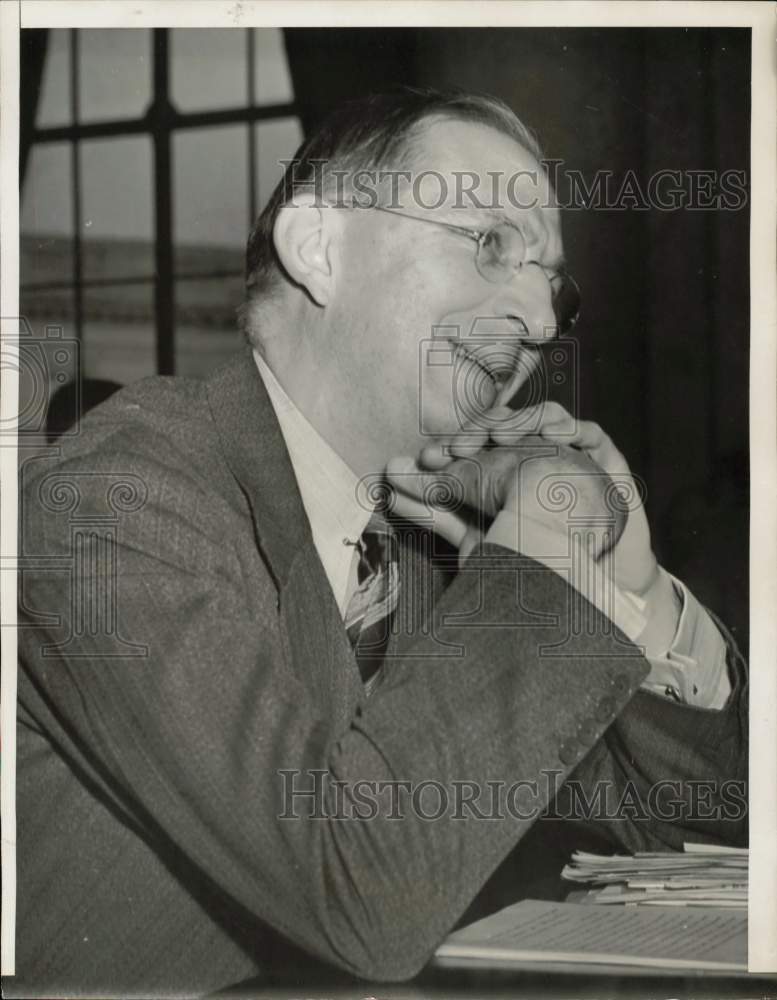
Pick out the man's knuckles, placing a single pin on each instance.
(557, 482)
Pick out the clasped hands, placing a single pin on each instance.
(507, 467)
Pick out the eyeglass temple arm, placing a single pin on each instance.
(474, 234)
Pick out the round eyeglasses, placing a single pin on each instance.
(501, 254)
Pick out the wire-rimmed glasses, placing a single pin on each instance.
(501, 254)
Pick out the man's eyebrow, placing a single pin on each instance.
(495, 215)
(471, 217)
(482, 219)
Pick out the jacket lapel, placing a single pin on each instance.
(253, 446)
(254, 449)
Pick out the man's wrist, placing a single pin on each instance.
(662, 607)
(652, 581)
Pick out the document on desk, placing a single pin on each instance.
(539, 932)
(700, 875)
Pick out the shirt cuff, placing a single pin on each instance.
(694, 669)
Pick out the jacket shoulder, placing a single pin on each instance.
(157, 433)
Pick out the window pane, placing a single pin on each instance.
(49, 307)
(208, 68)
(119, 340)
(272, 81)
(47, 200)
(210, 189)
(206, 331)
(45, 261)
(209, 261)
(275, 141)
(115, 79)
(54, 102)
(117, 219)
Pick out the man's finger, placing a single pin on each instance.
(429, 499)
(473, 483)
(583, 434)
(442, 522)
(470, 443)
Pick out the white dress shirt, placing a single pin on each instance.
(693, 670)
(328, 488)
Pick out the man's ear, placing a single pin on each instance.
(305, 236)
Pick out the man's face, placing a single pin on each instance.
(424, 338)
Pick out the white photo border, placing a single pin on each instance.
(763, 333)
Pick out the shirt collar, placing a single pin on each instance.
(328, 486)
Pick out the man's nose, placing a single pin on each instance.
(527, 299)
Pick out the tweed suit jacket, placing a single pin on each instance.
(182, 660)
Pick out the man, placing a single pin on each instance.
(210, 773)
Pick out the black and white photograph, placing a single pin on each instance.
(388, 599)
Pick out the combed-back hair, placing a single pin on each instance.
(378, 132)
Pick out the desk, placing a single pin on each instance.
(312, 981)
(522, 986)
(495, 984)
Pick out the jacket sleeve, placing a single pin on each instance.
(667, 772)
(198, 735)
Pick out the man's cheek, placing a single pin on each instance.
(442, 406)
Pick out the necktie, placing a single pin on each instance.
(371, 608)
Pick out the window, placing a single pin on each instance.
(152, 153)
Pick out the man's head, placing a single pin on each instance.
(384, 329)
(378, 132)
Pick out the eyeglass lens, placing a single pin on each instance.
(565, 296)
(503, 249)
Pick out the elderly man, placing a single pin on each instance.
(267, 704)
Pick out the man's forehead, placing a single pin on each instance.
(471, 167)
(480, 144)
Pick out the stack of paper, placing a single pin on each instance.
(700, 876)
(562, 937)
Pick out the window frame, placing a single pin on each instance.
(160, 122)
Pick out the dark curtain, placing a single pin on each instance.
(663, 338)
